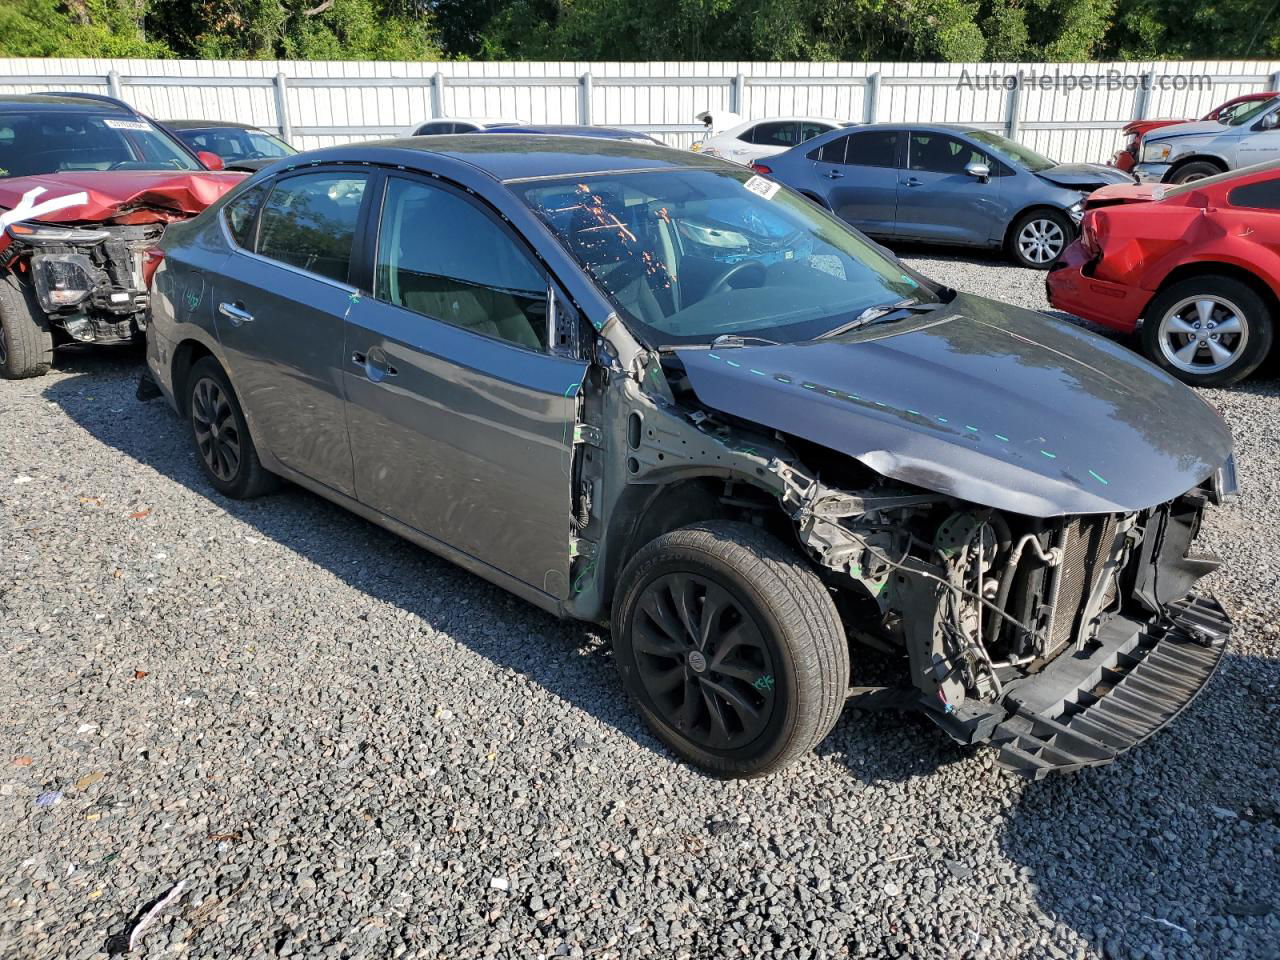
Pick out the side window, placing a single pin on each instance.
(939, 153)
(777, 134)
(441, 255)
(810, 130)
(875, 148)
(309, 222)
(239, 215)
(831, 152)
(431, 129)
(1263, 195)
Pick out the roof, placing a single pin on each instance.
(521, 156)
(208, 125)
(569, 130)
(12, 102)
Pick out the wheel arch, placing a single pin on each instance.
(1217, 268)
(1007, 240)
(1181, 162)
(187, 354)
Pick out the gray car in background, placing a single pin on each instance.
(948, 184)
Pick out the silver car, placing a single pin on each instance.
(1184, 152)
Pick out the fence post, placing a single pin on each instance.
(738, 94)
(437, 95)
(1143, 106)
(871, 105)
(113, 84)
(584, 99)
(1275, 81)
(1014, 108)
(282, 108)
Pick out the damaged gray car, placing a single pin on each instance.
(654, 391)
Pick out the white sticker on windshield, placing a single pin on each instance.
(763, 187)
(140, 125)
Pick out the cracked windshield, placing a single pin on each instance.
(693, 255)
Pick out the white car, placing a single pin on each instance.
(458, 125)
(745, 141)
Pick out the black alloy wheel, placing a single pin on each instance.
(216, 432)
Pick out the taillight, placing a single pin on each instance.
(761, 168)
(151, 261)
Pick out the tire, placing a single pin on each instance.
(1197, 170)
(790, 661)
(26, 342)
(220, 435)
(1038, 238)
(1169, 329)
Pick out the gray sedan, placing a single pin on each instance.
(645, 388)
(945, 184)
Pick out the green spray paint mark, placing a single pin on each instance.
(1051, 456)
(758, 373)
(354, 298)
(714, 356)
(943, 420)
(1099, 479)
(971, 429)
(1001, 436)
(782, 379)
(764, 682)
(915, 413)
(733, 363)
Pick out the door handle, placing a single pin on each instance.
(235, 312)
(913, 182)
(374, 365)
(833, 174)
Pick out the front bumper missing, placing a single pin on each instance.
(1085, 709)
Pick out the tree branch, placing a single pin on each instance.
(317, 10)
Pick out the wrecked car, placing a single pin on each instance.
(87, 187)
(648, 389)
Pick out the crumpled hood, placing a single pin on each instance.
(1118, 193)
(982, 401)
(1083, 176)
(123, 196)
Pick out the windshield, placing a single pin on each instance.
(233, 144)
(1239, 119)
(1010, 152)
(691, 255)
(58, 142)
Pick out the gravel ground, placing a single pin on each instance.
(343, 747)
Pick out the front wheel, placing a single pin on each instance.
(1207, 331)
(1197, 170)
(1038, 238)
(26, 342)
(731, 647)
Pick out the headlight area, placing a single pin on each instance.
(88, 281)
(1062, 641)
(1156, 152)
(1076, 212)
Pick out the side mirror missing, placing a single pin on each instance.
(979, 170)
(210, 160)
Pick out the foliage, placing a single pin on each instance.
(744, 30)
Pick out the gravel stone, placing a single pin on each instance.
(338, 740)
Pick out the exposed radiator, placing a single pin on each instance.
(1085, 544)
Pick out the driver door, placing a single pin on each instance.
(461, 420)
(1261, 142)
(937, 200)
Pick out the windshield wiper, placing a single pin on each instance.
(738, 340)
(872, 314)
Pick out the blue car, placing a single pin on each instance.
(941, 183)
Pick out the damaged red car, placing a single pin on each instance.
(87, 187)
(1195, 266)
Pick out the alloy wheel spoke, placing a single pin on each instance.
(1204, 311)
(1178, 325)
(652, 604)
(746, 712)
(716, 712)
(1229, 325)
(1220, 353)
(714, 603)
(685, 603)
(1188, 353)
(656, 643)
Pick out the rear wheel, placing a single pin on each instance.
(26, 343)
(1039, 237)
(1207, 331)
(731, 647)
(1197, 170)
(221, 436)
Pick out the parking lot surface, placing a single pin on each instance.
(345, 747)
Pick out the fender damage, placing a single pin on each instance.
(1034, 602)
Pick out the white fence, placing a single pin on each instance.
(1071, 112)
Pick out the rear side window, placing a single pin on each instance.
(309, 222)
(939, 153)
(832, 151)
(441, 255)
(1263, 195)
(434, 129)
(776, 134)
(241, 214)
(810, 130)
(875, 148)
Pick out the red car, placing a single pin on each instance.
(87, 188)
(1197, 264)
(1126, 157)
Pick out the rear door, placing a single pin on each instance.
(280, 310)
(461, 419)
(859, 177)
(937, 200)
